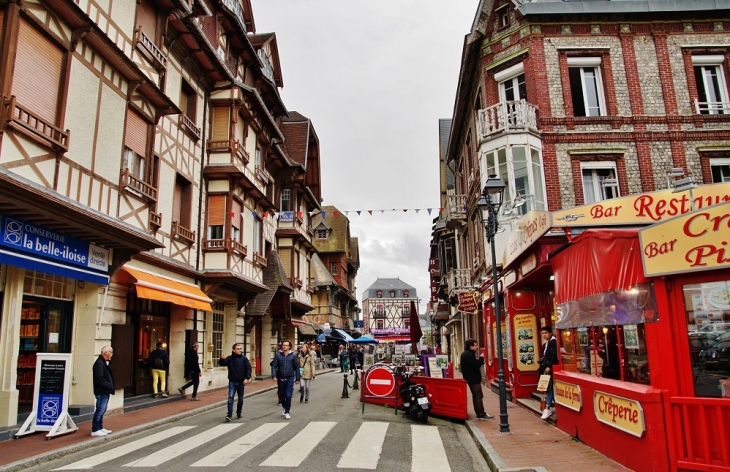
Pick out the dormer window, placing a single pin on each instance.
(406, 293)
(379, 294)
(392, 294)
(322, 234)
(503, 14)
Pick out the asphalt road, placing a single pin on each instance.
(328, 433)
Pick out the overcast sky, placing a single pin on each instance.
(375, 76)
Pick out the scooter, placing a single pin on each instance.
(415, 401)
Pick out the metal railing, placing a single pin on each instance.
(712, 108)
(506, 116)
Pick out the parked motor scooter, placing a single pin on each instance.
(414, 400)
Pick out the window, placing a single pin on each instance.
(286, 200)
(259, 160)
(586, 86)
(503, 15)
(216, 216)
(379, 310)
(333, 268)
(322, 234)
(407, 324)
(182, 201)
(599, 181)
(520, 168)
(720, 168)
(188, 100)
(217, 329)
(406, 293)
(712, 97)
(392, 294)
(258, 236)
(379, 294)
(512, 83)
(707, 311)
(380, 324)
(406, 309)
(221, 123)
(236, 221)
(147, 19)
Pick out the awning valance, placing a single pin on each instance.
(155, 287)
(597, 261)
(307, 330)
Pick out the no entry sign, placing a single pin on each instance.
(380, 381)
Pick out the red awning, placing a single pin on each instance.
(298, 321)
(597, 261)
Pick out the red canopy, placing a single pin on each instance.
(415, 325)
(597, 261)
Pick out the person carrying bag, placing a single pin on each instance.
(306, 372)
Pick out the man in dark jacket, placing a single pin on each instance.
(471, 371)
(548, 360)
(285, 368)
(103, 387)
(352, 353)
(159, 362)
(192, 370)
(239, 374)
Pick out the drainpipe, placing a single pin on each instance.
(200, 201)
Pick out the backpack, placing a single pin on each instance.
(157, 363)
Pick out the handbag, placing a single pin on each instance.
(543, 404)
(542, 385)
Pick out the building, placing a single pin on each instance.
(387, 308)
(593, 113)
(157, 221)
(334, 270)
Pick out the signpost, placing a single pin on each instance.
(380, 381)
(50, 397)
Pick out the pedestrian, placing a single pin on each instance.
(361, 356)
(471, 366)
(159, 362)
(103, 387)
(271, 364)
(343, 356)
(548, 360)
(306, 372)
(239, 374)
(352, 354)
(192, 371)
(285, 371)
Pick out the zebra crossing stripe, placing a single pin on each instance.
(241, 446)
(180, 448)
(427, 438)
(117, 452)
(300, 446)
(365, 447)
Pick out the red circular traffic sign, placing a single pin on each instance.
(380, 381)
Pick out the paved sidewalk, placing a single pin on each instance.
(531, 444)
(28, 451)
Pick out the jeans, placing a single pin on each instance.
(550, 397)
(286, 389)
(97, 423)
(194, 381)
(477, 397)
(158, 374)
(304, 387)
(233, 388)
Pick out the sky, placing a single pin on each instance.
(375, 76)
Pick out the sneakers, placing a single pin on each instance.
(485, 416)
(287, 416)
(547, 412)
(98, 434)
(228, 419)
(283, 412)
(107, 431)
(195, 399)
(182, 392)
(163, 394)
(306, 400)
(238, 416)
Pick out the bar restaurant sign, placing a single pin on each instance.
(527, 230)
(568, 395)
(468, 302)
(645, 208)
(692, 242)
(620, 413)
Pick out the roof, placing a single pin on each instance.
(274, 278)
(561, 7)
(320, 275)
(338, 239)
(389, 284)
(355, 252)
(296, 134)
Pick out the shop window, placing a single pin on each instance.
(217, 329)
(520, 168)
(599, 181)
(603, 335)
(586, 86)
(707, 311)
(712, 96)
(47, 285)
(333, 268)
(720, 168)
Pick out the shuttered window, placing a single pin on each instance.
(216, 210)
(37, 74)
(147, 18)
(181, 201)
(285, 254)
(236, 220)
(135, 137)
(221, 123)
(177, 202)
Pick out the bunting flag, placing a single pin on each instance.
(289, 215)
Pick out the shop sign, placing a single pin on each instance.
(529, 265)
(645, 208)
(39, 241)
(509, 278)
(467, 302)
(527, 230)
(620, 413)
(286, 216)
(505, 343)
(692, 242)
(568, 395)
(525, 327)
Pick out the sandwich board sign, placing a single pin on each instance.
(50, 397)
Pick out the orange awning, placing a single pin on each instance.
(155, 287)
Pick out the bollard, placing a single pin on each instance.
(355, 385)
(344, 389)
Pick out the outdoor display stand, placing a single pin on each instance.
(448, 397)
(50, 397)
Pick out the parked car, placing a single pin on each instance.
(717, 356)
(698, 342)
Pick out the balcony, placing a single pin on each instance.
(311, 289)
(259, 260)
(458, 280)
(155, 221)
(262, 175)
(25, 121)
(712, 108)
(181, 233)
(150, 50)
(224, 245)
(134, 184)
(296, 282)
(455, 211)
(505, 117)
(189, 127)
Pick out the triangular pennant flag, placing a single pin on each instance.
(371, 212)
(299, 215)
(346, 212)
(441, 210)
(428, 210)
(334, 213)
(324, 214)
(358, 212)
(382, 211)
(417, 210)
(405, 210)
(254, 214)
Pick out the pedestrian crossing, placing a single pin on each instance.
(363, 451)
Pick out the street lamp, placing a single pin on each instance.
(488, 205)
(431, 317)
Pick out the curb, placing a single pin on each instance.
(57, 454)
(494, 460)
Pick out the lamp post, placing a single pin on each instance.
(431, 316)
(488, 205)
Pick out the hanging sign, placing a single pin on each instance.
(527, 230)
(620, 413)
(50, 397)
(467, 302)
(692, 242)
